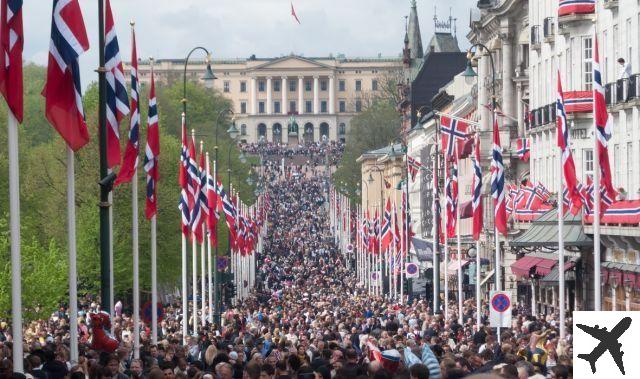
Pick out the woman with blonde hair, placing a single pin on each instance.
(210, 354)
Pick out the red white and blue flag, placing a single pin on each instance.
(12, 42)
(229, 209)
(386, 234)
(453, 132)
(568, 165)
(497, 183)
(523, 149)
(62, 90)
(604, 128)
(116, 91)
(130, 159)
(184, 179)
(200, 210)
(414, 167)
(566, 7)
(212, 203)
(451, 192)
(476, 187)
(151, 152)
(578, 101)
(543, 192)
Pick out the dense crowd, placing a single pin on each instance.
(315, 152)
(307, 318)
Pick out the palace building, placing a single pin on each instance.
(290, 99)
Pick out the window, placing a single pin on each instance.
(587, 162)
(374, 85)
(307, 85)
(358, 105)
(261, 107)
(587, 48)
(226, 86)
(342, 106)
(629, 43)
(243, 107)
(292, 85)
(261, 85)
(342, 86)
(308, 106)
(276, 107)
(323, 106)
(243, 86)
(243, 130)
(276, 86)
(358, 85)
(292, 107)
(323, 85)
(342, 129)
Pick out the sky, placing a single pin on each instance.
(240, 28)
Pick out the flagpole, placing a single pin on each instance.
(203, 277)
(14, 221)
(136, 282)
(597, 289)
(478, 302)
(446, 252)
(209, 257)
(73, 274)
(111, 279)
(561, 283)
(459, 249)
(154, 282)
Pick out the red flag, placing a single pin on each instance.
(497, 183)
(476, 187)
(386, 234)
(62, 90)
(152, 153)
(12, 40)
(293, 13)
(568, 165)
(212, 203)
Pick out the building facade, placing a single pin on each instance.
(290, 99)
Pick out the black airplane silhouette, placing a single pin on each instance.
(608, 341)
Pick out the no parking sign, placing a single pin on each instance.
(500, 309)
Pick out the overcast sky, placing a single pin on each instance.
(239, 28)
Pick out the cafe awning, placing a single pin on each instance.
(524, 265)
(541, 264)
(544, 232)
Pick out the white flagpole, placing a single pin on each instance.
(209, 257)
(154, 283)
(446, 261)
(194, 282)
(459, 249)
(203, 277)
(597, 290)
(185, 303)
(136, 274)
(14, 222)
(73, 274)
(561, 248)
(478, 302)
(435, 245)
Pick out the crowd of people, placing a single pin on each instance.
(315, 152)
(308, 317)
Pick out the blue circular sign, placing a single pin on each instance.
(412, 268)
(500, 302)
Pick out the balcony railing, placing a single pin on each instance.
(535, 37)
(610, 4)
(623, 90)
(549, 29)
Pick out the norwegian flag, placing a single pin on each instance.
(293, 13)
(62, 89)
(130, 159)
(183, 205)
(414, 167)
(376, 233)
(476, 199)
(451, 192)
(578, 101)
(200, 206)
(364, 230)
(229, 210)
(193, 174)
(604, 128)
(183, 174)
(397, 236)
(12, 41)
(512, 193)
(497, 183)
(117, 102)
(151, 152)
(212, 203)
(567, 7)
(437, 209)
(568, 165)
(453, 132)
(523, 149)
(529, 198)
(386, 234)
(589, 199)
(567, 205)
(542, 192)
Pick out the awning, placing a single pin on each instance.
(553, 277)
(523, 266)
(545, 266)
(621, 273)
(544, 232)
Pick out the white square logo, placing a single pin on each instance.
(604, 345)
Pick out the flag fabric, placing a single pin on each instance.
(229, 210)
(476, 187)
(130, 159)
(510, 200)
(567, 7)
(578, 101)
(293, 13)
(542, 192)
(116, 92)
(497, 183)
(568, 165)
(414, 167)
(192, 172)
(183, 174)
(12, 41)
(62, 90)
(376, 233)
(397, 235)
(151, 152)
(212, 203)
(386, 234)
(523, 149)
(183, 205)
(451, 192)
(603, 123)
(199, 211)
(453, 131)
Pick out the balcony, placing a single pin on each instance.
(535, 37)
(610, 4)
(623, 93)
(565, 22)
(549, 29)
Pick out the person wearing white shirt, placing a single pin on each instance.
(625, 70)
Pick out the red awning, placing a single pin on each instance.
(545, 266)
(523, 266)
(629, 278)
(569, 265)
(637, 281)
(615, 275)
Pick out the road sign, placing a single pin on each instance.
(412, 270)
(500, 309)
(146, 312)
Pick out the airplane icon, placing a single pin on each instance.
(608, 341)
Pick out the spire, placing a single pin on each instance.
(415, 39)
